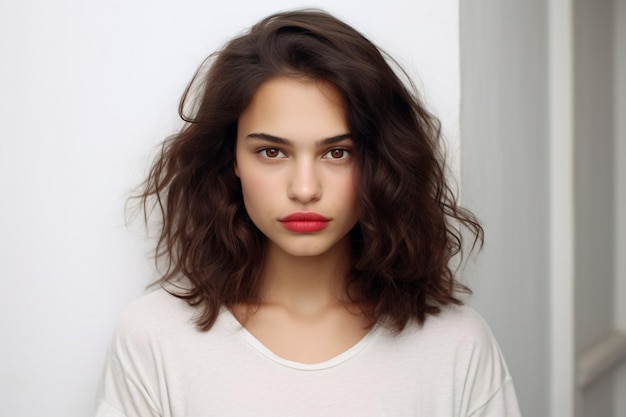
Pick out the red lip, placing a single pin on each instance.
(305, 222)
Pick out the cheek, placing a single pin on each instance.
(351, 193)
(249, 186)
(256, 192)
(349, 188)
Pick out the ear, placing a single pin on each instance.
(236, 168)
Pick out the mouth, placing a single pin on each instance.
(305, 222)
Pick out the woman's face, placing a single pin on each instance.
(294, 157)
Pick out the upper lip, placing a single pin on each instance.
(304, 216)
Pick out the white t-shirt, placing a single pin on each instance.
(160, 364)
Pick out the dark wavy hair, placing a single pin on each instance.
(409, 224)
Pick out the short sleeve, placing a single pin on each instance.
(489, 385)
(129, 382)
(502, 404)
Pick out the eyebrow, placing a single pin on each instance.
(283, 141)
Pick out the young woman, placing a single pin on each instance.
(307, 231)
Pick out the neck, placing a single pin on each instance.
(306, 286)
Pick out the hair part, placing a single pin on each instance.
(409, 225)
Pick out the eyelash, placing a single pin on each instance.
(345, 153)
(263, 153)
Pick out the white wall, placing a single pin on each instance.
(505, 178)
(87, 89)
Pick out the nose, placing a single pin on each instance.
(304, 183)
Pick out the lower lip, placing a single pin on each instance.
(305, 226)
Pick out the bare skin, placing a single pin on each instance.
(304, 314)
(304, 317)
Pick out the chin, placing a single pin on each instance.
(304, 253)
(302, 249)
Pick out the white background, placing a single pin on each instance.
(87, 90)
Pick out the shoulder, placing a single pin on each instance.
(157, 306)
(458, 352)
(461, 331)
(454, 325)
(460, 323)
(156, 312)
(143, 346)
(456, 343)
(480, 368)
(163, 322)
(156, 323)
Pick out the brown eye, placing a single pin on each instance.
(338, 153)
(272, 153)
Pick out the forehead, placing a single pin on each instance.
(295, 108)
